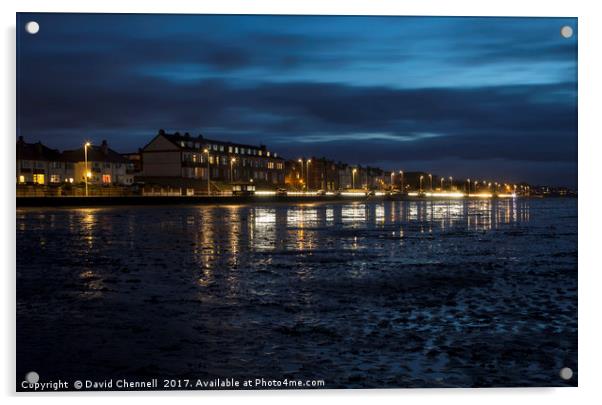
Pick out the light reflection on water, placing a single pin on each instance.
(260, 281)
(220, 235)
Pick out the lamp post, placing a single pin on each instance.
(468, 185)
(232, 160)
(392, 179)
(420, 188)
(302, 171)
(307, 168)
(431, 181)
(451, 183)
(208, 172)
(441, 183)
(86, 173)
(353, 178)
(401, 174)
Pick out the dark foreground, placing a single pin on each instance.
(357, 294)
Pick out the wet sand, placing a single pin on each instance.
(359, 294)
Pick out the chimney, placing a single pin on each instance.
(104, 147)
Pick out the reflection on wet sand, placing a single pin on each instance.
(361, 294)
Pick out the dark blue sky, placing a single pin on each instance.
(466, 97)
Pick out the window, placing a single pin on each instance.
(21, 179)
(229, 149)
(38, 178)
(106, 178)
(55, 178)
(268, 153)
(221, 148)
(270, 165)
(236, 149)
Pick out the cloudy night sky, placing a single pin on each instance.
(488, 98)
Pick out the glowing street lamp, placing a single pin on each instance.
(232, 161)
(302, 171)
(442, 178)
(86, 172)
(431, 181)
(420, 189)
(353, 178)
(468, 180)
(392, 179)
(208, 172)
(451, 183)
(307, 167)
(401, 174)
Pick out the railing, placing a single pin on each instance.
(73, 191)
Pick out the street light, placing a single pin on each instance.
(353, 178)
(232, 160)
(468, 185)
(208, 172)
(86, 172)
(431, 181)
(420, 188)
(451, 183)
(307, 167)
(392, 179)
(401, 174)
(302, 171)
(442, 183)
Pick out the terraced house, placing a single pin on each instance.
(185, 160)
(41, 165)
(104, 166)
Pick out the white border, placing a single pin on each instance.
(590, 70)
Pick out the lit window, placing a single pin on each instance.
(55, 178)
(106, 178)
(21, 179)
(38, 178)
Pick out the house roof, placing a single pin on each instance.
(190, 142)
(96, 153)
(36, 151)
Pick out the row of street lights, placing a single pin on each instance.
(305, 173)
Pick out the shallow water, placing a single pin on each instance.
(358, 294)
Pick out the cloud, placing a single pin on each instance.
(358, 89)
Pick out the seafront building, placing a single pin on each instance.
(38, 164)
(41, 165)
(103, 165)
(196, 162)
